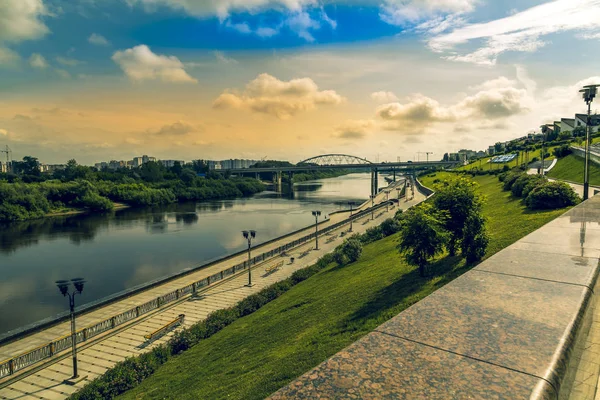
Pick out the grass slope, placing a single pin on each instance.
(262, 352)
(571, 169)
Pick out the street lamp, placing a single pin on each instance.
(387, 205)
(350, 204)
(372, 206)
(316, 214)
(544, 129)
(249, 235)
(63, 286)
(588, 94)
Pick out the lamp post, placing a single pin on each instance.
(588, 94)
(316, 214)
(63, 286)
(350, 204)
(387, 205)
(249, 235)
(544, 129)
(372, 206)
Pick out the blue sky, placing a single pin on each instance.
(108, 79)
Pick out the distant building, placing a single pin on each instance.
(4, 167)
(171, 163)
(567, 124)
(491, 150)
(229, 164)
(581, 120)
(51, 168)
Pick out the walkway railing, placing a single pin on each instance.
(46, 351)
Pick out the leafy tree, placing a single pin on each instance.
(458, 199)
(422, 236)
(498, 147)
(152, 171)
(200, 166)
(390, 226)
(177, 168)
(561, 151)
(565, 135)
(579, 131)
(446, 157)
(475, 238)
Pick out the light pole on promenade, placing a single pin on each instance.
(64, 286)
(316, 214)
(387, 205)
(350, 204)
(588, 94)
(372, 206)
(249, 235)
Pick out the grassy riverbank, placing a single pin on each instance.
(571, 168)
(259, 353)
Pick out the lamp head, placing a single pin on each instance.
(245, 233)
(63, 286)
(78, 283)
(253, 234)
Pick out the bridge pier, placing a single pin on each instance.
(374, 181)
(277, 181)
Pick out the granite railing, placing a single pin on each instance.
(31, 357)
(520, 325)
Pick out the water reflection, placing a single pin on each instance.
(129, 247)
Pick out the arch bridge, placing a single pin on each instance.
(335, 159)
(347, 162)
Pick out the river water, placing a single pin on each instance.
(132, 246)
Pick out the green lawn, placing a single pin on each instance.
(571, 169)
(259, 353)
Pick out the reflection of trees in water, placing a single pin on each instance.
(187, 218)
(308, 187)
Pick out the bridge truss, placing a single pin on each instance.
(335, 159)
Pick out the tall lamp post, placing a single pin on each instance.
(249, 235)
(63, 286)
(544, 129)
(316, 214)
(372, 206)
(350, 204)
(588, 94)
(387, 205)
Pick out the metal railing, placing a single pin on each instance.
(11, 366)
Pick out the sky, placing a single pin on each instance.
(98, 80)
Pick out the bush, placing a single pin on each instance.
(475, 239)
(348, 252)
(551, 195)
(562, 151)
(510, 178)
(529, 181)
(390, 226)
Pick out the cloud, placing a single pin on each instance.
(3, 132)
(522, 31)
(494, 101)
(62, 73)
(69, 62)
(140, 63)
(178, 128)
(38, 61)
(354, 129)
(384, 97)
(222, 58)
(401, 12)
(98, 40)
(300, 16)
(20, 20)
(282, 99)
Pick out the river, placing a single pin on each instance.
(129, 247)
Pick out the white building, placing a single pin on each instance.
(581, 120)
(567, 124)
(171, 163)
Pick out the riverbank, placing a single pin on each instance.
(258, 354)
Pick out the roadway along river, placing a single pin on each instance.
(133, 246)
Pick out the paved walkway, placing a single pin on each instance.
(96, 357)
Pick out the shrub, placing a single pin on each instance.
(526, 180)
(551, 195)
(510, 178)
(390, 226)
(475, 239)
(348, 252)
(371, 235)
(562, 151)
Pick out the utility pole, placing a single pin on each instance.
(428, 153)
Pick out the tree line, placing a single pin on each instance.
(30, 194)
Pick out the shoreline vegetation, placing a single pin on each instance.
(84, 190)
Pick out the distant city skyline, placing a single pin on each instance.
(287, 79)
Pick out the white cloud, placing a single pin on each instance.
(222, 58)
(522, 31)
(19, 21)
(62, 73)
(302, 23)
(140, 63)
(494, 102)
(400, 12)
(98, 40)
(178, 128)
(282, 99)
(384, 97)
(354, 129)
(38, 61)
(69, 62)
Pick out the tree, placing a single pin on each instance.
(177, 168)
(29, 166)
(446, 157)
(200, 166)
(475, 239)
(498, 147)
(422, 236)
(458, 199)
(579, 131)
(152, 171)
(565, 135)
